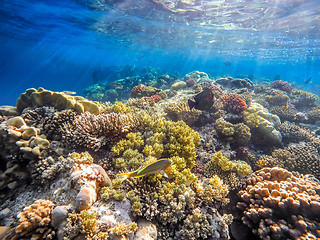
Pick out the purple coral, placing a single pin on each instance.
(282, 85)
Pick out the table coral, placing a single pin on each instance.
(279, 205)
(94, 131)
(41, 97)
(34, 222)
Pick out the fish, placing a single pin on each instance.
(152, 168)
(308, 80)
(203, 100)
(69, 92)
(227, 63)
(117, 85)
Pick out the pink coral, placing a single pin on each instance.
(234, 104)
(282, 85)
(210, 86)
(156, 98)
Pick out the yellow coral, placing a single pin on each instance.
(133, 140)
(224, 127)
(224, 163)
(243, 168)
(122, 229)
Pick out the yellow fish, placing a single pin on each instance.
(117, 85)
(148, 169)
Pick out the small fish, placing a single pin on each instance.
(69, 92)
(151, 168)
(227, 63)
(203, 100)
(285, 107)
(117, 85)
(307, 81)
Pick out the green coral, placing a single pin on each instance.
(234, 133)
(83, 157)
(133, 141)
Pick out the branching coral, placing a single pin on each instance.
(278, 205)
(181, 111)
(94, 131)
(235, 133)
(277, 98)
(234, 103)
(34, 222)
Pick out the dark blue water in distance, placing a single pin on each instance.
(58, 45)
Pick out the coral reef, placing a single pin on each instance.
(279, 205)
(233, 103)
(58, 100)
(282, 85)
(94, 131)
(181, 111)
(63, 158)
(34, 222)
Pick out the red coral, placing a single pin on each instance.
(234, 104)
(137, 89)
(211, 86)
(156, 98)
(282, 85)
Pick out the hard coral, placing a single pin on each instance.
(234, 104)
(94, 131)
(279, 205)
(59, 100)
(34, 222)
(143, 91)
(182, 111)
(282, 85)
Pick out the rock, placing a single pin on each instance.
(146, 231)
(59, 215)
(178, 85)
(8, 111)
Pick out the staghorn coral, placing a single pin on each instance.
(95, 131)
(58, 100)
(279, 205)
(34, 222)
(182, 111)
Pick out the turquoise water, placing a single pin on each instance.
(58, 45)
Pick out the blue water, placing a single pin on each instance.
(59, 44)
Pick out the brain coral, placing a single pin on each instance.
(279, 205)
